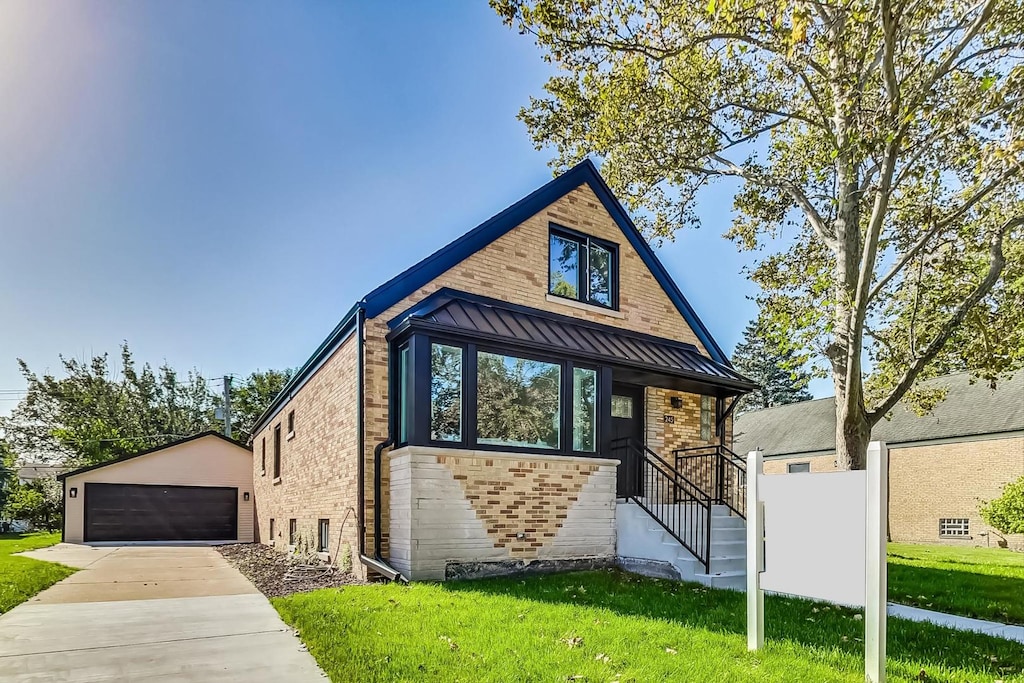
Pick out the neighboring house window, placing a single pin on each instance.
(271, 528)
(795, 467)
(323, 535)
(518, 401)
(263, 457)
(445, 393)
(293, 528)
(291, 423)
(277, 452)
(954, 527)
(584, 409)
(707, 408)
(582, 268)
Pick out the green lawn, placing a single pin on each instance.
(22, 577)
(986, 583)
(612, 626)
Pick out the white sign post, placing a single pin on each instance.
(826, 540)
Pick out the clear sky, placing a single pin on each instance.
(217, 183)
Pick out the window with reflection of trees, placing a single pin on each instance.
(445, 393)
(581, 268)
(518, 401)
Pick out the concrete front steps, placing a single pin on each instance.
(645, 547)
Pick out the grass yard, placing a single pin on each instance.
(23, 577)
(612, 626)
(986, 583)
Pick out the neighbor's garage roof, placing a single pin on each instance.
(970, 409)
(150, 451)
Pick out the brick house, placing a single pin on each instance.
(497, 407)
(941, 465)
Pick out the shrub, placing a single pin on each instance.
(1006, 513)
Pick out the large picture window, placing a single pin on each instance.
(445, 393)
(582, 268)
(518, 401)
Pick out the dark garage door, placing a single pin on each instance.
(143, 512)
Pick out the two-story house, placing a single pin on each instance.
(518, 400)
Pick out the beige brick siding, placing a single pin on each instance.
(451, 506)
(318, 465)
(942, 480)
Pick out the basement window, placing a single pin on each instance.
(954, 527)
(582, 268)
(293, 528)
(323, 535)
(797, 467)
(271, 530)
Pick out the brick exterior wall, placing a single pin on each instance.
(319, 476)
(457, 509)
(318, 465)
(942, 480)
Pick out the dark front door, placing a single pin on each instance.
(627, 422)
(144, 512)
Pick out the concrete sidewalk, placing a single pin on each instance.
(990, 628)
(136, 613)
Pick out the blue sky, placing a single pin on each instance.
(216, 183)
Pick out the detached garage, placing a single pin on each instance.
(196, 489)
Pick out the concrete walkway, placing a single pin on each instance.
(989, 628)
(140, 613)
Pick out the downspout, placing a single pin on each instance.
(377, 563)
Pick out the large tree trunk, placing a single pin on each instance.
(853, 431)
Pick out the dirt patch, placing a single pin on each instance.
(275, 574)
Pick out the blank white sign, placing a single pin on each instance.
(814, 530)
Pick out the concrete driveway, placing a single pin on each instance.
(148, 613)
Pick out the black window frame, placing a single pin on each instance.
(323, 535)
(418, 382)
(583, 267)
(277, 451)
(263, 457)
(291, 423)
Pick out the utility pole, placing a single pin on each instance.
(227, 406)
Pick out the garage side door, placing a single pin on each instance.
(143, 512)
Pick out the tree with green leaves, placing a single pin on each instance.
(779, 372)
(39, 502)
(878, 146)
(1006, 513)
(252, 396)
(8, 473)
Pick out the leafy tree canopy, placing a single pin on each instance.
(252, 396)
(1006, 513)
(878, 145)
(778, 371)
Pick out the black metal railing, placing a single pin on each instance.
(672, 500)
(717, 471)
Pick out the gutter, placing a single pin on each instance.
(377, 563)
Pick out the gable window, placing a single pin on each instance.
(582, 268)
(518, 401)
(797, 467)
(277, 452)
(954, 527)
(323, 535)
(707, 407)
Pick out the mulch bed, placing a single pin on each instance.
(269, 570)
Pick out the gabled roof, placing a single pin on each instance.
(810, 426)
(150, 451)
(475, 317)
(407, 282)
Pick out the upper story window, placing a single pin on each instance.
(583, 268)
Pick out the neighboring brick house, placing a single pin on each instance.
(468, 416)
(941, 465)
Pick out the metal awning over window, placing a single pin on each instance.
(468, 316)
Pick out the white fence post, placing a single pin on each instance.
(876, 575)
(755, 554)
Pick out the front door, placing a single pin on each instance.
(627, 422)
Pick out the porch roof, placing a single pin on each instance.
(475, 317)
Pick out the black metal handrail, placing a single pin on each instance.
(671, 499)
(719, 472)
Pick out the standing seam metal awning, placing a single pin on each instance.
(476, 317)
